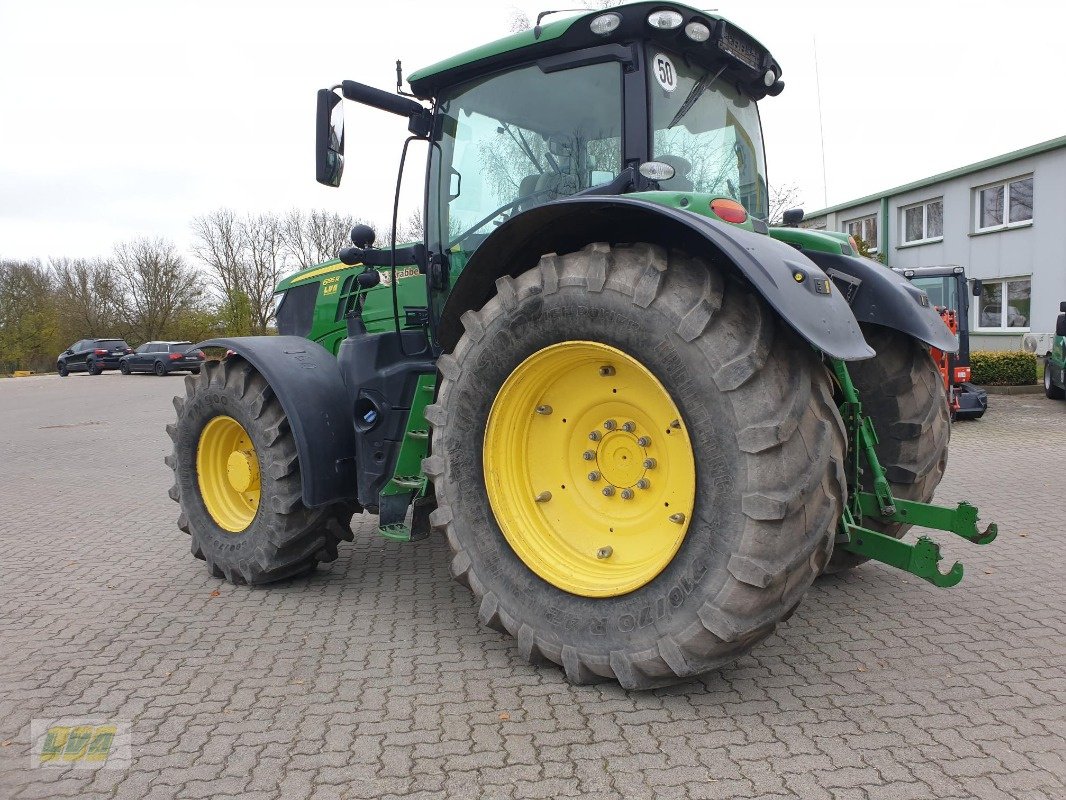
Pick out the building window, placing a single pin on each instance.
(924, 222)
(1004, 205)
(864, 228)
(996, 314)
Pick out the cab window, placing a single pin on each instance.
(520, 139)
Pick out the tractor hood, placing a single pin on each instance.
(743, 59)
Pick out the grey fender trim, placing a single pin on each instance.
(306, 379)
(823, 320)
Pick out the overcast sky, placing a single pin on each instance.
(122, 119)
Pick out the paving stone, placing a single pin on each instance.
(372, 678)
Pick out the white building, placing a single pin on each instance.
(1003, 219)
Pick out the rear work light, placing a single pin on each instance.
(729, 210)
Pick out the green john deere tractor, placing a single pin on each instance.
(631, 406)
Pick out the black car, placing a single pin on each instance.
(92, 356)
(163, 357)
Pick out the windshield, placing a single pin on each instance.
(943, 290)
(520, 139)
(707, 131)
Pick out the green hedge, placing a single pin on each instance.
(1003, 368)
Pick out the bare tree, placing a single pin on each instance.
(91, 297)
(158, 286)
(782, 198)
(316, 236)
(221, 246)
(28, 332)
(518, 20)
(266, 263)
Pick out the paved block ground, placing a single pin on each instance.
(372, 678)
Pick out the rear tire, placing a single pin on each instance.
(756, 404)
(94, 368)
(159, 369)
(903, 392)
(285, 537)
(1052, 391)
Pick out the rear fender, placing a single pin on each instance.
(881, 296)
(811, 305)
(307, 381)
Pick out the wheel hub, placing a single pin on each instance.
(589, 469)
(242, 469)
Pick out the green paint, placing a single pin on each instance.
(920, 558)
(407, 477)
(694, 202)
(810, 239)
(337, 290)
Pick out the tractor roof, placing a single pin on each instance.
(743, 57)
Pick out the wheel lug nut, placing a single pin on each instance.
(649, 463)
(594, 476)
(604, 552)
(544, 409)
(627, 494)
(610, 424)
(588, 455)
(629, 427)
(543, 497)
(608, 491)
(606, 371)
(643, 483)
(643, 441)
(678, 518)
(594, 436)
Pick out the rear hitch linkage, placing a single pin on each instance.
(923, 556)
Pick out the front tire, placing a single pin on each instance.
(61, 368)
(124, 368)
(1051, 391)
(237, 481)
(754, 402)
(902, 391)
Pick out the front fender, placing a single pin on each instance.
(880, 296)
(811, 306)
(306, 379)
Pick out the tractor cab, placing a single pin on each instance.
(652, 100)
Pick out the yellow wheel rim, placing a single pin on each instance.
(227, 469)
(589, 469)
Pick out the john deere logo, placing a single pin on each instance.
(80, 743)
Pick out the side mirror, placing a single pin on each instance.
(1060, 324)
(792, 218)
(976, 288)
(1062, 307)
(329, 138)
